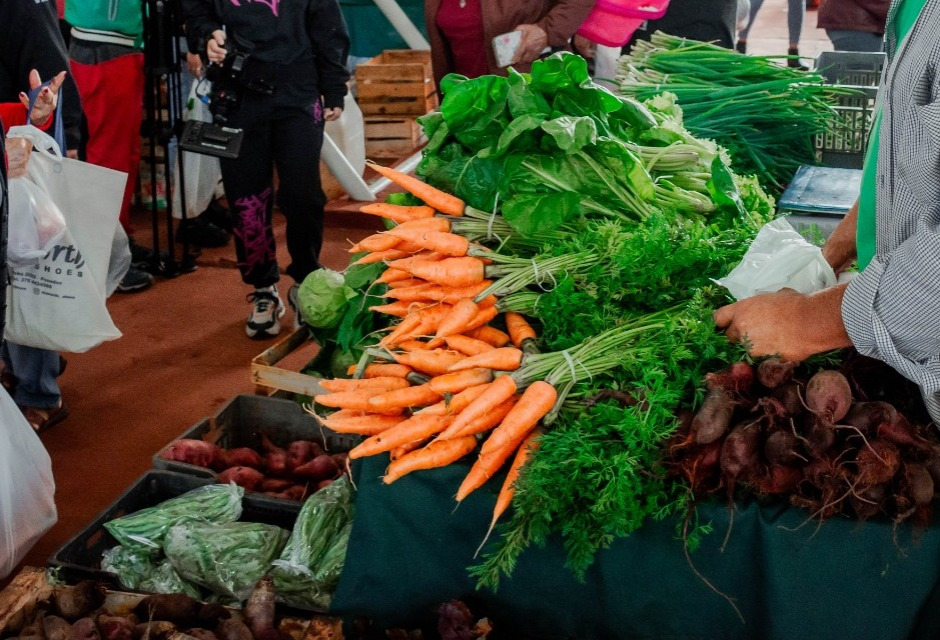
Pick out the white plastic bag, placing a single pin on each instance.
(58, 303)
(27, 488)
(202, 173)
(779, 258)
(36, 223)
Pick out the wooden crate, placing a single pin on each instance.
(269, 378)
(396, 82)
(392, 136)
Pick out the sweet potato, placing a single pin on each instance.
(56, 628)
(274, 485)
(299, 453)
(174, 607)
(76, 601)
(320, 468)
(712, 420)
(829, 395)
(191, 451)
(275, 458)
(259, 611)
(241, 457)
(113, 627)
(774, 372)
(84, 629)
(242, 476)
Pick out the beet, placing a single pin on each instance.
(780, 479)
(84, 629)
(828, 395)
(790, 398)
(211, 613)
(76, 601)
(866, 416)
(191, 451)
(712, 420)
(739, 377)
(780, 448)
(299, 453)
(242, 476)
(739, 452)
(774, 372)
(201, 634)
(877, 462)
(901, 432)
(919, 483)
(177, 608)
(868, 502)
(232, 629)
(320, 468)
(820, 438)
(241, 457)
(115, 627)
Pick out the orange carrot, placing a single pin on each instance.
(408, 282)
(449, 244)
(403, 230)
(453, 295)
(417, 396)
(499, 391)
(357, 400)
(537, 400)
(483, 423)
(453, 272)
(519, 329)
(460, 315)
(443, 202)
(379, 256)
(366, 424)
(398, 308)
(482, 317)
(488, 301)
(432, 362)
(385, 383)
(375, 242)
(457, 403)
(485, 468)
(455, 382)
(414, 293)
(392, 275)
(412, 345)
(508, 490)
(405, 449)
(490, 335)
(417, 427)
(438, 453)
(379, 370)
(469, 346)
(408, 324)
(396, 212)
(502, 359)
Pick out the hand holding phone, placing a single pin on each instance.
(524, 44)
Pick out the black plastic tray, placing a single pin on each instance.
(242, 420)
(80, 557)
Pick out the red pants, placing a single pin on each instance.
(112, 95)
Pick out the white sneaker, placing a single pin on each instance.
(294, 305)
(266, 312)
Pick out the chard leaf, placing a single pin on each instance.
(621, 163)
(571, 133)
(470, 177)
(450, 81)
(475, 111)
(523, 99)
(530, 213)
(515, 133)
(559, 70)
(724, 191)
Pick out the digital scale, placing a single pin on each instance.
(820, 196)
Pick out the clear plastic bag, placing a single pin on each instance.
(779, 258)
(36, 223)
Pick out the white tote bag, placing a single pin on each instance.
(59, 302)
(27, 489)
(202, 174)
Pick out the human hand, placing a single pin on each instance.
(72, 153)
(534, 41)
(841, 249)
(47, 99)
(332, 113)
(17, 150)
(194, 64)
(215, 48)
(787, 323)
(585, 47)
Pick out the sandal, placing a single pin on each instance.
(42, 419)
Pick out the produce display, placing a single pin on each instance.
(765, 114)
(301, 469)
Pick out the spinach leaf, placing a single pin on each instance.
(529, 213)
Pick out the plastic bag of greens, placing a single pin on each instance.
(165, 579)
(306, 574)
(322, 298)
(131, 567)
(227, 559)
(143, 531)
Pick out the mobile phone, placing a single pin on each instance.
(505, 46)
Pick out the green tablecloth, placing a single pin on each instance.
(409, 551)
(370, 32)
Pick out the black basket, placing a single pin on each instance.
(242, 420)
(80, 557)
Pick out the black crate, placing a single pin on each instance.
(80, 557)
(242, 420)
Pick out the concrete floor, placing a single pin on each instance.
(184, 353)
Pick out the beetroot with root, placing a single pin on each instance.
(790, 399)
(829, 395)
(782, 448)
(877, 462)
(739, 452)
(245, 477)
(774, 372)
(712, 420)
(779, 479)
(191, 451)
(739, 378)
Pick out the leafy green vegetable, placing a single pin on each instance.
(322, 298)
(529, 213)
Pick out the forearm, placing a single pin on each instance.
(825, 328)
(840, 249)
(563, 19)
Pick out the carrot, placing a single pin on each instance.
(408, 282)
(357, 400)
(379, 370)
(417, 396)
(454, 272)
(408, 324)
(537, 400)
(439, 453)
(432, 362)
(404, 230)
(457, 403)
(453, 295)
(491, 335)
(469, 346)
(417, 427)
(460, 315)
(385, 383)
(379, 256)
(519, 329)
(396, 212)
(485, 468)
(375, 242)
(392, 275)
(449, 244)
(482, 317)
(443, 202)
(502, 359)
(366, 424)
(460, 380)
(508, 490)
(488, 301)
(405, 449)
(483, 423)
(415, 293)
(398, 308)
(499, 391)
(412, 345)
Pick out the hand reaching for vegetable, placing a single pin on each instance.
(48, 97)
(534, 41)
(787, 323)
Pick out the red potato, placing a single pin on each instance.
(245, 477)
(829, 395)
(241, 457)
(320, 468)
(191, 451)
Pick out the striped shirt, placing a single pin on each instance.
(892, 309)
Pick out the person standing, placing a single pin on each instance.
(796, 11)
(298, 49)
(854, 25)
